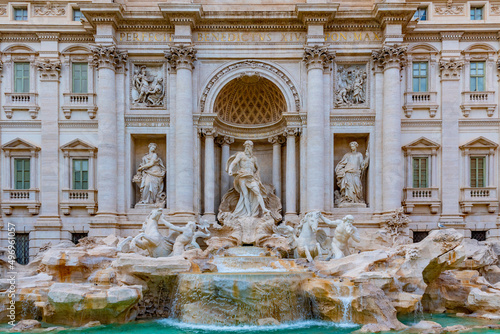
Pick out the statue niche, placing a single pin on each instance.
(147, 87)
(250, 210)
(150, 179)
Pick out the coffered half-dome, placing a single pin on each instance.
(250, 100)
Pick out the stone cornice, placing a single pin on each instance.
(316, 13)
(394, 13)
(451, 35)
(317, 57)
(108, 57)
(181, 14)
(102, 13)
(181, 57)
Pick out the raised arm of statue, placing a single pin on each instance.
(171, 226)
(235, 159)
(328, 221)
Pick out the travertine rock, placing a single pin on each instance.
(77, 304)
(25, 326)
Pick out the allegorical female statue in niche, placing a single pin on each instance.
(150, 176)
(349, 172)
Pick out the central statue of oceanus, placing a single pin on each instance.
(245, 170)
(250, 209)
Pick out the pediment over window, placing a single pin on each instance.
(479, 143)
(422, 144)
(19, 48)
(19, 144)
(78, 145)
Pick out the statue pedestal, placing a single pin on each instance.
(148, 207)
(352, 205)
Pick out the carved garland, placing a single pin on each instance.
(251, 64)
(451, 68)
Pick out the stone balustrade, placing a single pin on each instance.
(86, 198)
(479, 100)
(79, 101)
(421, 196)
(478, 196)
(21, 101)
(28, 198)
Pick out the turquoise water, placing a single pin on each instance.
(168, 326)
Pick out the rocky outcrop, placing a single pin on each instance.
(347, 301)
(77, 304)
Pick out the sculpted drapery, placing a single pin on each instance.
(152, 173)
(349, 171)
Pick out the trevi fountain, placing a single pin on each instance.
(252, 271)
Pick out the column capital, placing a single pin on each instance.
(208, 132)
(225, 140)
(451, 68)
(317, 57)
(291, 132)
(390, 56)
(108, 57)
(181, 57)
(276, 139)
(49, 69)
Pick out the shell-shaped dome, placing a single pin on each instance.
(250, 100)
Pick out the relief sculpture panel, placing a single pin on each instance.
(148, 86)
(351, 85)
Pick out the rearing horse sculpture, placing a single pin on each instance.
(310, 237)
(151, 239)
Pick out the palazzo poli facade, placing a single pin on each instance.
(86, 88)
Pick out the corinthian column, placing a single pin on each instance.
(315, 58)
(277, 141)
(225, 178)
(391, 58)
(450, 106)
(182, 60)
(49, 218)
(209, 189)
(106, 59)
(291, 173)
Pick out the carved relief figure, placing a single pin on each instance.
(340, 241)
(149, 177)
(243, 166)
(351, 85)
(149, 88)
(349, 172)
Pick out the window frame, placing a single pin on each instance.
(73, 180)
(427, 169)
(73, 16)
(418, 14)
(474, 9)
(15, 9)
(15, 172)
(23, 78)
(484, 179)
(72, 79)
(419, 77)
(476, 76)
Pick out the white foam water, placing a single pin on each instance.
(304, 324)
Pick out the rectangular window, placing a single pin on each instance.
(420, 77)
(478, 235)
(477, 76)
(80, 174)
(77, 15)
(421, 14)
(477, 172)
(21, 77)
(476, 13)
(420, 172)
(23, 248)
(80, 75)
(22, 173)
(21, 14)
(75, 237)
(419, 236)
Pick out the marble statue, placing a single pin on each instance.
(343, 231)
(309, 239)
(187, 238)
(149, 89)
(243, 166)
(349, 173)
(150, 238)
(351, 85)
(149, 178)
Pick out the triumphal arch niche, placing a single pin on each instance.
(257, 101)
